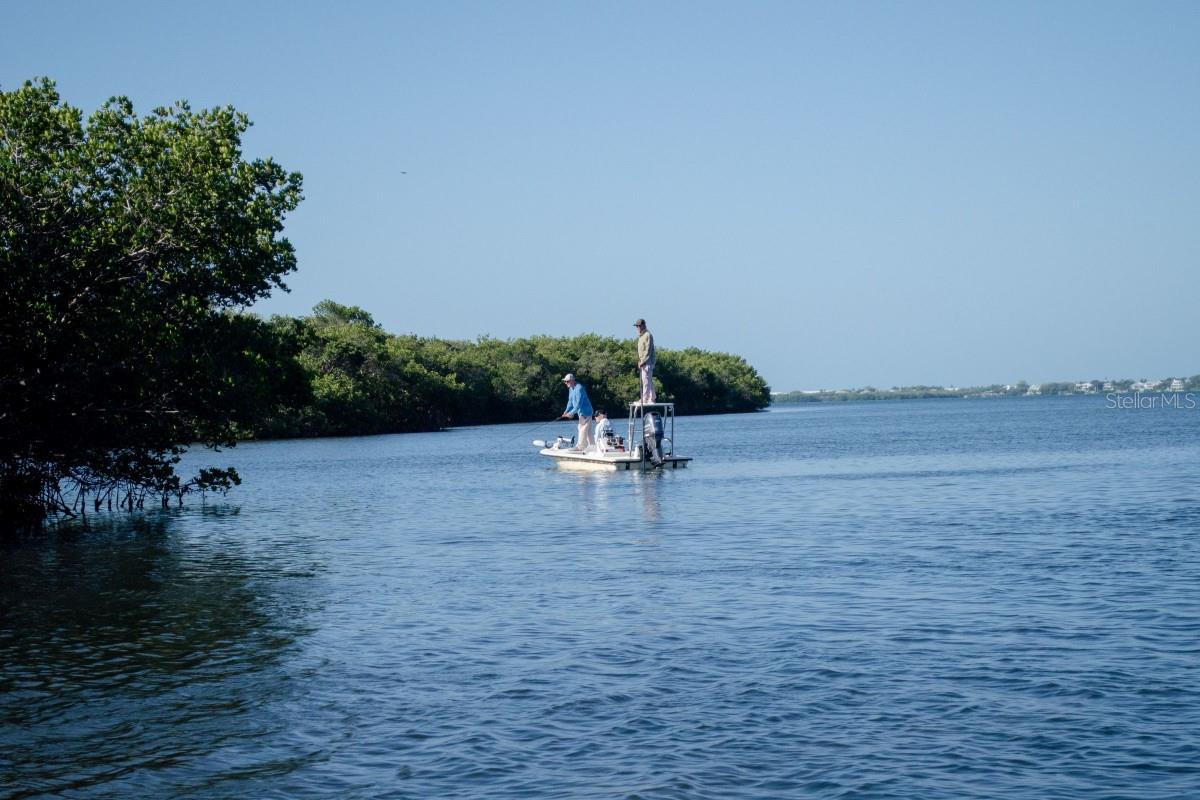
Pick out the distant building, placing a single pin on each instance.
(1035, 389)
(1108, 386)
(1177, 385)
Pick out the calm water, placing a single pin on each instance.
(929, 599)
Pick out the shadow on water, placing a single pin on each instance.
(131, 647)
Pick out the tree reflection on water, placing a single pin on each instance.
(131, 646)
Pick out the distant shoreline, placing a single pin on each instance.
(1019, 389)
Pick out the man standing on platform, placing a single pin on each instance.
(645, 346)
(579, 405)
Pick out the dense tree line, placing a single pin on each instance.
(364, 380)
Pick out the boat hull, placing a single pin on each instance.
(615, 462)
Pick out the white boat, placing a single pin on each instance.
(632, 453)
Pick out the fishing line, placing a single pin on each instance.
(537, 427)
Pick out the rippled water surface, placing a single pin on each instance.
(928, 599)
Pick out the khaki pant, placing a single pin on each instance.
(584, 437)
(647, 373)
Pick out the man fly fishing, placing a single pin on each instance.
(579, 406)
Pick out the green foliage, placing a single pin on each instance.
(367, 381)
(700, 382)
(124, 240)
(363, 380)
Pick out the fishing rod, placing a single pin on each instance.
(537, 427)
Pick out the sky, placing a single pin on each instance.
(846, 193)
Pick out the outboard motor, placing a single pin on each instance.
(652, 430)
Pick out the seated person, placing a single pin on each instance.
(606, 441)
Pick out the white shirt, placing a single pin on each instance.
(604, 429)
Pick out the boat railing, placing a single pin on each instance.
(637, 426)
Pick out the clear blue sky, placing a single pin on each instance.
(845, 193)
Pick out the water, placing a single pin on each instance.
(928, 599)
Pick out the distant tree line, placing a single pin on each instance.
(866, 393)
(364, 380)
(1019, 389)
